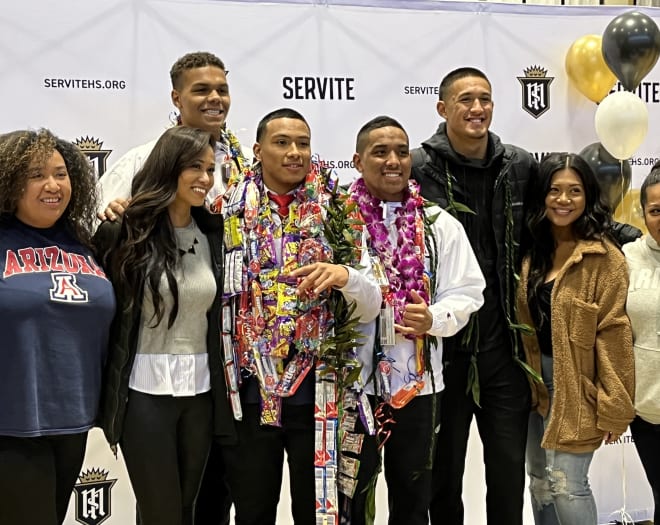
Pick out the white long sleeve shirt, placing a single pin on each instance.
(459, 293)
(643, 308)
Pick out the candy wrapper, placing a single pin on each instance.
(290, 249)
(287, 301)
(271, 410)
(294, 374)
(233, 234)
(310, 218)
(352, 442)
(251, 213)
(320, 453)
(349, 466)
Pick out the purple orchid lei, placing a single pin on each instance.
(404, 265)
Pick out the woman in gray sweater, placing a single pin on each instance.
(164, 384)
(643, 306)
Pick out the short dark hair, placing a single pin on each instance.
(278, 113)
(381, 121)
(457, 74)
(651, 179)
(193, 61)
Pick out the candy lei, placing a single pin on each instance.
(235, 148)
(404, 265)
(270, 315)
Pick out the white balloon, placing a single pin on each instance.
(622, 121)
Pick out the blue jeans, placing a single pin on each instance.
(559, 482)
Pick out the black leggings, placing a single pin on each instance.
(647, 442)
(165, 444)
(37, 475)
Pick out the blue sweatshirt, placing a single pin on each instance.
(56, 306)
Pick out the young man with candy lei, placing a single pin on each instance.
(431, 283)
(279, 274)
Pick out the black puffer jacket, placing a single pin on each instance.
(436, 158)
(124, 338)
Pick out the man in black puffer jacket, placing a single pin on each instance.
(467, 170)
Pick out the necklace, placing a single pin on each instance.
(186, 236)
(403, 264)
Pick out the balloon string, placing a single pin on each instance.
(622, 514)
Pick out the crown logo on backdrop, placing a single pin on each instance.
(88, 143)
(93, 475)
(536, 72)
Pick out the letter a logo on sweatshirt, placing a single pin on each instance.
(66, 290)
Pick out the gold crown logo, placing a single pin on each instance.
(94, 475)
(88, 144)
(536, 72)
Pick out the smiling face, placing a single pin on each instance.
(467, 106)
(194, 183)
(202, 98)
(652, 211)
(285, 153)
(385, 163)
(47, 193)
(565, 201)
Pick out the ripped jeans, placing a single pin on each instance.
(559, 483)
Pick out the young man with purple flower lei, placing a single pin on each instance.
(431, 284)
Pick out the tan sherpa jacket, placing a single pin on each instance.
(592, 349)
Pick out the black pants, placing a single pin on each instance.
(502, 423)
(165, 444)
(647, 442)
(37, 476)
(254, 466)
(407, 460)
(213, 501)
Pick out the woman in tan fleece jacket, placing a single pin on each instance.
(572, 291)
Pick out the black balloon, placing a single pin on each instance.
(613, 176)
(631, 47)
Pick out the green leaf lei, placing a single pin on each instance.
(470, 337)
(343, 233)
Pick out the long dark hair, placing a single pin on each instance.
(538, 241)
(147, 247)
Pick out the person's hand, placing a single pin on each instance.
(318, 277)
(611, 437)
(114, 210)
(417, 318)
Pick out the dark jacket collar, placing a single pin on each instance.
(440, 143)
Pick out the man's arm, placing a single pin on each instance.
(114, 187)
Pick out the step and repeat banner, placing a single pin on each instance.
(97, 73)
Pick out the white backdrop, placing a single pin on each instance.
(99, 71)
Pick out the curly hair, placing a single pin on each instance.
(22, 148)
(192, 61)
(147, 247)
(538, 241)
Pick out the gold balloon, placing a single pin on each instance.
(630, 211)
(587, 69)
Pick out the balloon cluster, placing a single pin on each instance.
(627, 51)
